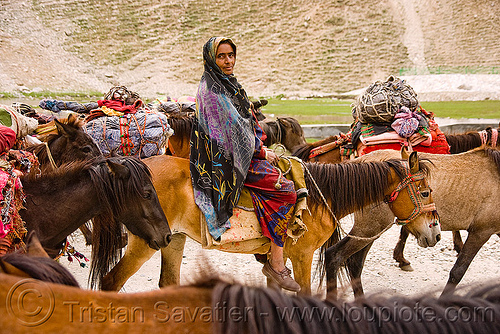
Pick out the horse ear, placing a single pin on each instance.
(120, 171)
(65, 129)
(413, 162)
(34, 246)
(404, 153)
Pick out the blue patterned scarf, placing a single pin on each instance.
(222, 141)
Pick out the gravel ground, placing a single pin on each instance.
(381, 274)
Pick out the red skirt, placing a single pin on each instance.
(273, 207)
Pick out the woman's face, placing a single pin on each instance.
(225, 58)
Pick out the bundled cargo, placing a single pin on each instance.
(141, 134)
(382, 100)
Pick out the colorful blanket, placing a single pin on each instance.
(141, 134)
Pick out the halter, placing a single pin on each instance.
(419, 207)
(484, 137)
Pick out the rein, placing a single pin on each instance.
(278, 133)
(409, 182)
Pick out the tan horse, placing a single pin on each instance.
(328, 151)
(32, 306)
(465, 188)
(347, 188)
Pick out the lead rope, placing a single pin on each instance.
(51, 159)
(337, 222)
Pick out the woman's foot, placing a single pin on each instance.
(283, 278)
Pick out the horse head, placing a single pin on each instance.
(411, 201)
(72, 143)
(129, 197)
(134, 186)
(284, 130)
(68, 143)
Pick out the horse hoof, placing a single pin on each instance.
(406, 267)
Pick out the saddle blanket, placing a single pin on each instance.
(245, 234)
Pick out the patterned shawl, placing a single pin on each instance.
(222, 141)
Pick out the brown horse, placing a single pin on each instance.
(284, 130)
(214, 306)
(328, 150)
(347, 187)
(33, 306)
(113, 191)
(65, 142)
(464, 203)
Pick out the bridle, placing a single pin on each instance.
(415, 196)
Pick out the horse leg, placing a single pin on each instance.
(336, 256)
(302, 263)
(355, 267)
(457, 242)
(136, 254)
(475, 240)
(398, 255)
(171, 260)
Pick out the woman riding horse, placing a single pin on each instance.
(227, 152)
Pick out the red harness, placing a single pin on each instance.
(414, 193)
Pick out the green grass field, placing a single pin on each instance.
(308, 111)
(316, 111)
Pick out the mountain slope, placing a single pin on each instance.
(294, 47)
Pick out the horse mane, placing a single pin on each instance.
(303, 151)
(41, 268)
(464, 142)
(51, 178)
(181, 123)
(475, 312)
(352, 185)
(493, 154)
(112, 193)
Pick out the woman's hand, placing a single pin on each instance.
(272, 157)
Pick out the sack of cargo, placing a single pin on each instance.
(141, 134)
(382, 100)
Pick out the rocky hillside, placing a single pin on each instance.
(302, 47)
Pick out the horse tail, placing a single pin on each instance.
(321, 266)
(106, 247)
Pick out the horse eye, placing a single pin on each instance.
(148, 195)
(425, 193)
(86, 149)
